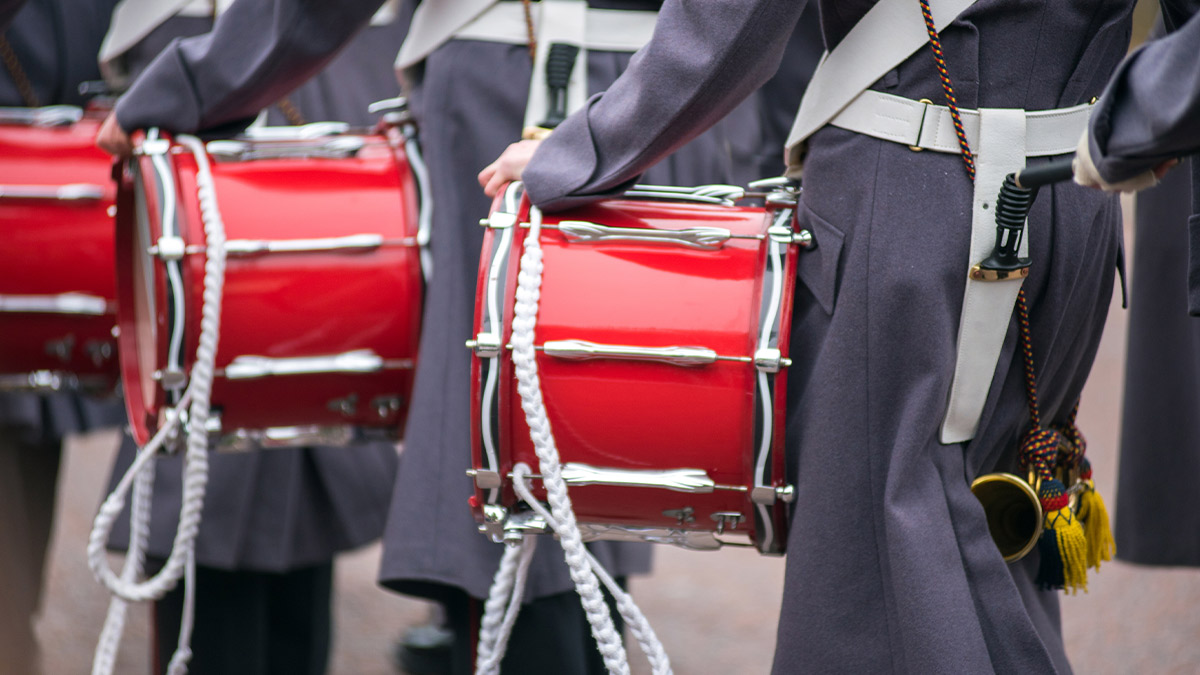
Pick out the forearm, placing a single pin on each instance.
(258, 51)
(1150, 112)
(706, 57)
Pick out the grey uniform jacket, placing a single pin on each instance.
(890, 566)
(277, 510)
(1151, 113)
(55, 41)
(1160, 430)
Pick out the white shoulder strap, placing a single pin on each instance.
(132, 21)
(433, 23)
(887, 35)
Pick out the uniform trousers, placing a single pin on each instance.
(250, 623)
(28, 473)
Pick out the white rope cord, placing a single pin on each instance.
(529, 281)
(503, 605)
(638, 624)
(416, 163)
(181, 560)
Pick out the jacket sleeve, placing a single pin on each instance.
(258, 51)
(706, 56)
(1150, 111)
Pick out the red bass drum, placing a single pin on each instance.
(321, 307)
(57, 286)
(662, 338)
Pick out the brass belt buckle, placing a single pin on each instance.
(921, 126)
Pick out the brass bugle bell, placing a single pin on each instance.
(1013, 510)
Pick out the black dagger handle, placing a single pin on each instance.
(1012, 208)
(560, 61)
(1044, 174)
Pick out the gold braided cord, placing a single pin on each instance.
(13, 65)
(530, 31)
(290, 111)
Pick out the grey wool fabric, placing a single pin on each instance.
(890, 567)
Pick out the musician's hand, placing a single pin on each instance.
(112, 138)
(1087, 175)
(507, 167)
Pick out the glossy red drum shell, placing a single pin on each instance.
(288, 305)
(54, 247)
(646, 415)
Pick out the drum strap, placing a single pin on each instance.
(564, 22)
(1002, 139)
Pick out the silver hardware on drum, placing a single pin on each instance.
(44, 116)
(336, 147)
(725, 195)
(386, 406)
(485, 480)
(693, 481)
(703, 238)
(693, 540)
(674, 355)
(242, 440)
(354, 243)
(53, 381)
(346, 405)
(769, 360)
(302, 132)
(171, 378)
(73, 192)
(63, 303)
(683, 515)
(727, 520)
(168, 249)
(520, 524)
(357, 361)
(485, 345)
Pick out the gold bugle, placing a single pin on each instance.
(1014, 513)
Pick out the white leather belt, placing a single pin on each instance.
(920, 124)
(612, 30)
(561, 21)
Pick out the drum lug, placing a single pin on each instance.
(171, 378)
(763, 494)
(485, 480)
(784, 235)
(767, 495)
(169, 249)
(770, 360)
(153, 146)
(500, 220)
(494, 516)
(485, 345)
(99, 351)
(517, 525)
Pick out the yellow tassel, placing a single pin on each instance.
(1094, 515)
(1072, 546)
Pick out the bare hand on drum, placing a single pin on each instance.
(507, 167)
(112, 138)
(1087, 175)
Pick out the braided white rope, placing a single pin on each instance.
(503, 605)
(104, 659)
(529, 282)
(181, 560)
(638, 624)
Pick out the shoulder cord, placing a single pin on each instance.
(1026, 341)
(561, 516)
(13, 65)
(530, 31)
(181, 560)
